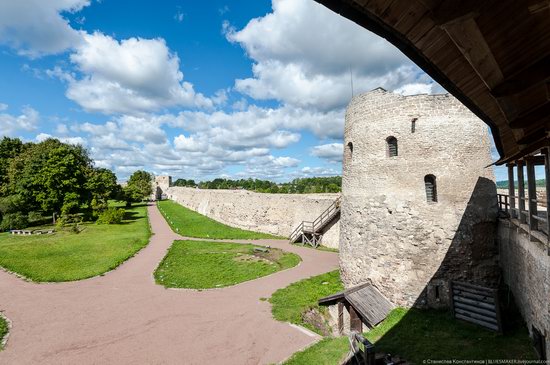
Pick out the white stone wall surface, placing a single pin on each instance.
(526, 270)
(277, 214)
(391, 235)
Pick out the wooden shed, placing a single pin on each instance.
(362, 305)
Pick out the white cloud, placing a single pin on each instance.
(303, 55)
(332, 151)
(36, 27)
(62, 128)
(70, 140)
(26, 121)
(3, 107)
(132, 76)
(179, 16)
(189, 144)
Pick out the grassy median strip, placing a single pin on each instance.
(291, 303)
(68, 256)
(205, 265)
(192, 224)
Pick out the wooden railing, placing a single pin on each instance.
(527, 212)
(318, 225)
(361, 351)
(326, 217)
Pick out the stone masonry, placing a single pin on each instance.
(526, 270)
(278, 214)
(391, 235)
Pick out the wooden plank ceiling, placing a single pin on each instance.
(493, 55)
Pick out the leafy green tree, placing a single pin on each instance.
(9, 149)
(103, 186)
(139, 187)
(51, 176)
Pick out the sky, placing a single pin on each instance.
(193, 89)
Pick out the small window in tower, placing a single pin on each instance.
(413, 125)
(392, 146)
(431, 188)
(349, 151)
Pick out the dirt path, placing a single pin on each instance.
(125, 318)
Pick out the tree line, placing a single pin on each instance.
(309, 185)
(48, 180)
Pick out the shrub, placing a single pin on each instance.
(16, 220)
(68, 219)
(111, 216)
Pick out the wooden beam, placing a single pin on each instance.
(449, 12)
(531, 75)
(467, 36)
(532, 192)
(539, 6)
(521, 192)
(538, 115)
(533, 136)
(546, 154)
(511, 191)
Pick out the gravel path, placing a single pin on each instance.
(123, 317)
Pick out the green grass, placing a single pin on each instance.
(413, 334)
(192, 224)
(288, 304)
(328, 351)
(418, 335)
(3, 330)
(204, 265)
(66, 256)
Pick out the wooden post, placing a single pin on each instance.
(546, 153)
(511, 190)
(521, 192)
(532, 192)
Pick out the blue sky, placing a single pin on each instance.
(248, 88)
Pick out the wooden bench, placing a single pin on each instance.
(26, 232)
(44, 231)
(21, 232)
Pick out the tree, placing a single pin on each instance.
(50, 175)
(103, 186)
(139, 187)
(9, 149)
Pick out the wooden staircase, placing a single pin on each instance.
(311, 233)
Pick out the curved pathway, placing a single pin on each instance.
(125, 318)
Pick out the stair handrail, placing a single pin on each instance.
(330, 212)
(296, 232)
(319, 222)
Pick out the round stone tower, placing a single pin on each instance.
(418, 200)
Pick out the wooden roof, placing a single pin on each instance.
(493, 55)
(371, 305)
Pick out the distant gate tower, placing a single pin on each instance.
(160, 186)
(419, 204)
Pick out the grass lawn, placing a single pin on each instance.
(289, 304)
(328, 351)
(66, 256)
(192, 224)
(204, 265)
(418, 335)
(3, 330)
(413, 334)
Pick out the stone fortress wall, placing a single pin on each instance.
(526, 270)
(278, 214)
(391, 235)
